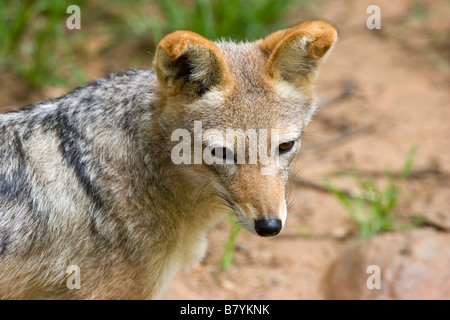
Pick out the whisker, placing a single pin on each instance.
(227, 201)
(289, 204)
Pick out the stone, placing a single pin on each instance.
(411, 265)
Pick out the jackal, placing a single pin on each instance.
(88, 179)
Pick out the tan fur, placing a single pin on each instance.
(206, 59)
(310, 40)
(104, 189)
(321, 36)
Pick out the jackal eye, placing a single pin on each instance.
(286, 146)
(222, 153)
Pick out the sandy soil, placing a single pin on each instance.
(382, 91)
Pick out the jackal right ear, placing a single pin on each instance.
(187, 63)
(294, 54)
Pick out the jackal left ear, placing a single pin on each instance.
(187, 63)
(295, 53)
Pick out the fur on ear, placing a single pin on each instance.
(295, 53)
(186, 62)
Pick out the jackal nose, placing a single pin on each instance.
(267, 227)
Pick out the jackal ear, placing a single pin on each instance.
(187, 63)
(295, 53)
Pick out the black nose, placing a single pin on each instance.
(268, 227)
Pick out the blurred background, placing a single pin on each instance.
(371, 184)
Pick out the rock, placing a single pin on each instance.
(409, 265)
(438, 219)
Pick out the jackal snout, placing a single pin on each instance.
(268, 227)
(264, 222)
(260, 202)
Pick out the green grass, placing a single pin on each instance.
(227, 258)
(215, 19)
(36, 45)
(372, 206)
(34, 42)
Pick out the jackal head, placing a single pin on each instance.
(235, 113)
